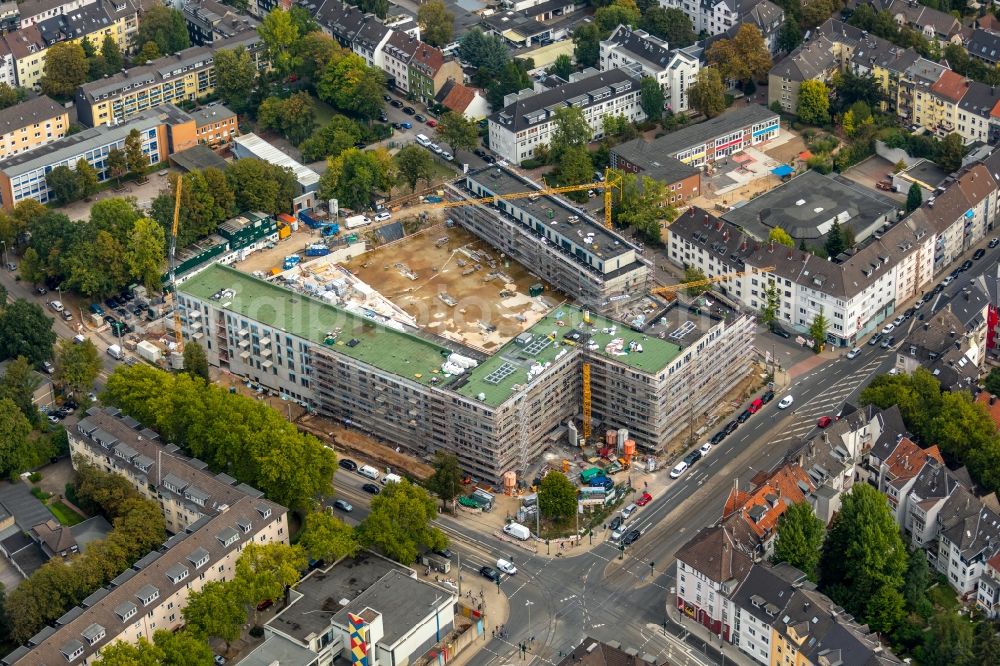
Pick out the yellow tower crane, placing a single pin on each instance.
(173, 265)
(612, 179)
(670, 289)
(586, 401)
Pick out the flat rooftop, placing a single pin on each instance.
(553, 211)
(403, 602)
(551, 338)
(323, 591)
(807, 206)
(357, 337)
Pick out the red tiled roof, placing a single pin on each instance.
(908, 459)
(994, 562)
(989, 22)
(460, 97)
(950, 86)
(429, 56)
(772, 496)
(992, 405)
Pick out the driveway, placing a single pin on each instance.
(143, 193)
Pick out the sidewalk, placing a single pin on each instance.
(698, 635)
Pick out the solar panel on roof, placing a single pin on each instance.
(537, 345)
(500, 374)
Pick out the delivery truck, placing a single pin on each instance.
(355, 221)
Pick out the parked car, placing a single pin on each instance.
(938, 289)
(645, 499)
(993, 243)
(786, 402)
(767, 397)
(854, 353)
(409, 110)
(343, 505)
(431, 122)
(490, 573)
(678, 469)
(909, 312)
(11, 266)
(406, 125)
(480, 153)
(41, 291)
(382, 217)
(888, 328)
(383, 117)
(419, 118)
(888, 342)
(899, 320)
(692, 458)
(55, 418)
(979, 254)
(445, 553)
(874, 339)
(731, 427)
(717, 437)
(615, 523)
(824, 421)
(744, 416)
(264, 605)
(945, 282)
(49, 368)
(348, 464)
(777, 330)
(371, 489)
(387, 98)
(396, 103)
(489, 159)
(705, 448)
(448, 156)
(967, 264)
(631, 537)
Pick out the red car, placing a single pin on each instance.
(431, 122)
(824, 421)
(644, 500)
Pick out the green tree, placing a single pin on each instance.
(707, 95)
(166, 27)
(571, 129)
(18, 383)
(950, 152)
(818, 329)
(790, 35)
(135, 159)
(651, 98)
(991, 383)
(769, 313)
(235, 78)
(399, 523)
(864, 559)
(117, 164)
(25, 331)
(511, 79)
(950, 642)
(326, 537)
(780, 236)
(280, 33)
(814, 102)
(216, 610)
(86, 177)
(148, 53)
(446, 482)
(743, 58)
(619, 12)
(835, 242)
(295, 116)
(915, 584)
(195, 361)
(113, 58)
(64, 184)
(800, 539)
(563, 66)
(670, 24)
(304, 21)
(587, 45)
(259, 185)
(65, 69)
(987, 643)
(695, 274)
(15, 430)
(576, 168)
(487, 53)
(436, 23)
(557, 497)
(9, 95)
(123, 653)
(332, 139)
(349, 84)
(914, 197)
(77, 365)
(644, 204)
(414, 164)
(354, 175)
(315, 52)
(183, 648)
(263, 571)
(144, 253)
(457, 131)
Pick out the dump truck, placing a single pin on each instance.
(310, 221)
(317, 250)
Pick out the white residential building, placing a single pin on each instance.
(717, 17)
(527, 120)
(675, 70)
(706, 581)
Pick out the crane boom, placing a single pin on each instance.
(173, 264)
(672, 288)
(612, 179)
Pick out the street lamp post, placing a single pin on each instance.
(528, 604)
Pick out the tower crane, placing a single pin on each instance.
(173, 265)
(612, 179)
(671, 289)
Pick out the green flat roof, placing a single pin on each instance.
(510, 365)
(387, 349)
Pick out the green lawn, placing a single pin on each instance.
(324, 112)
(64, 514)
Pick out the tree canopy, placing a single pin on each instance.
(65, 69)
(414, 164)
(780, 236)
(399, 523)
(166, 27)
(353, 176)
(326, 537)
(436, 23)
(744, 57)
(446, 482)
(26, 331)
(814, 102)
(800, 539)
(707, 95)
(77, 365)
(557, 497)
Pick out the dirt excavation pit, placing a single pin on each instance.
(456, 286)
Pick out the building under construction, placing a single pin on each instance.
(496, 412)
(555, 240)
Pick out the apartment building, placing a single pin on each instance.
(943, 345)
(719, 17)
(185, 76)
(429, 70)
(397, 52)
(215, 125)
(23, 176)
(527, 120)
(856, 294)
(978, 114)
(36, 122)
(261, 8)
(34, 11)
(933, 24)
(984, 45)
(212, 519)
(27, 50)
(759, 598)
(643, 158)
(988, 589)
(752, 516)
(209, 21)
(675, 70)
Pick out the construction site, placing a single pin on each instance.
(442, 340)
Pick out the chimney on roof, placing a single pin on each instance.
(951, 333)
(927, 325)
(706, 220)
(993, 399)
(770, 246)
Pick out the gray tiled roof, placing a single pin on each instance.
(35, 110)
(699, 133)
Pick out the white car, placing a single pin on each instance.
(436, 148)
(705, 448)
(948, 280)
(447, 156)
(899, 320)
(854, 353)
(894, 372)
(382, 217)
(786, 402)
(889, 328)
(678, 469)
(506, 567)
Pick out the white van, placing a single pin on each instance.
(517, 531)
(369, 471)
(506, 567)
(391, 478)
(678, 469)
(56, 305)
(79, 339)
(423, 141)
(114, 351)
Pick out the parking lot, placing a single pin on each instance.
(871, 171)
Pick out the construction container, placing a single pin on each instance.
(286, 218)
(536, 289)
(148, 351)
(284, 232)
(275, 271)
